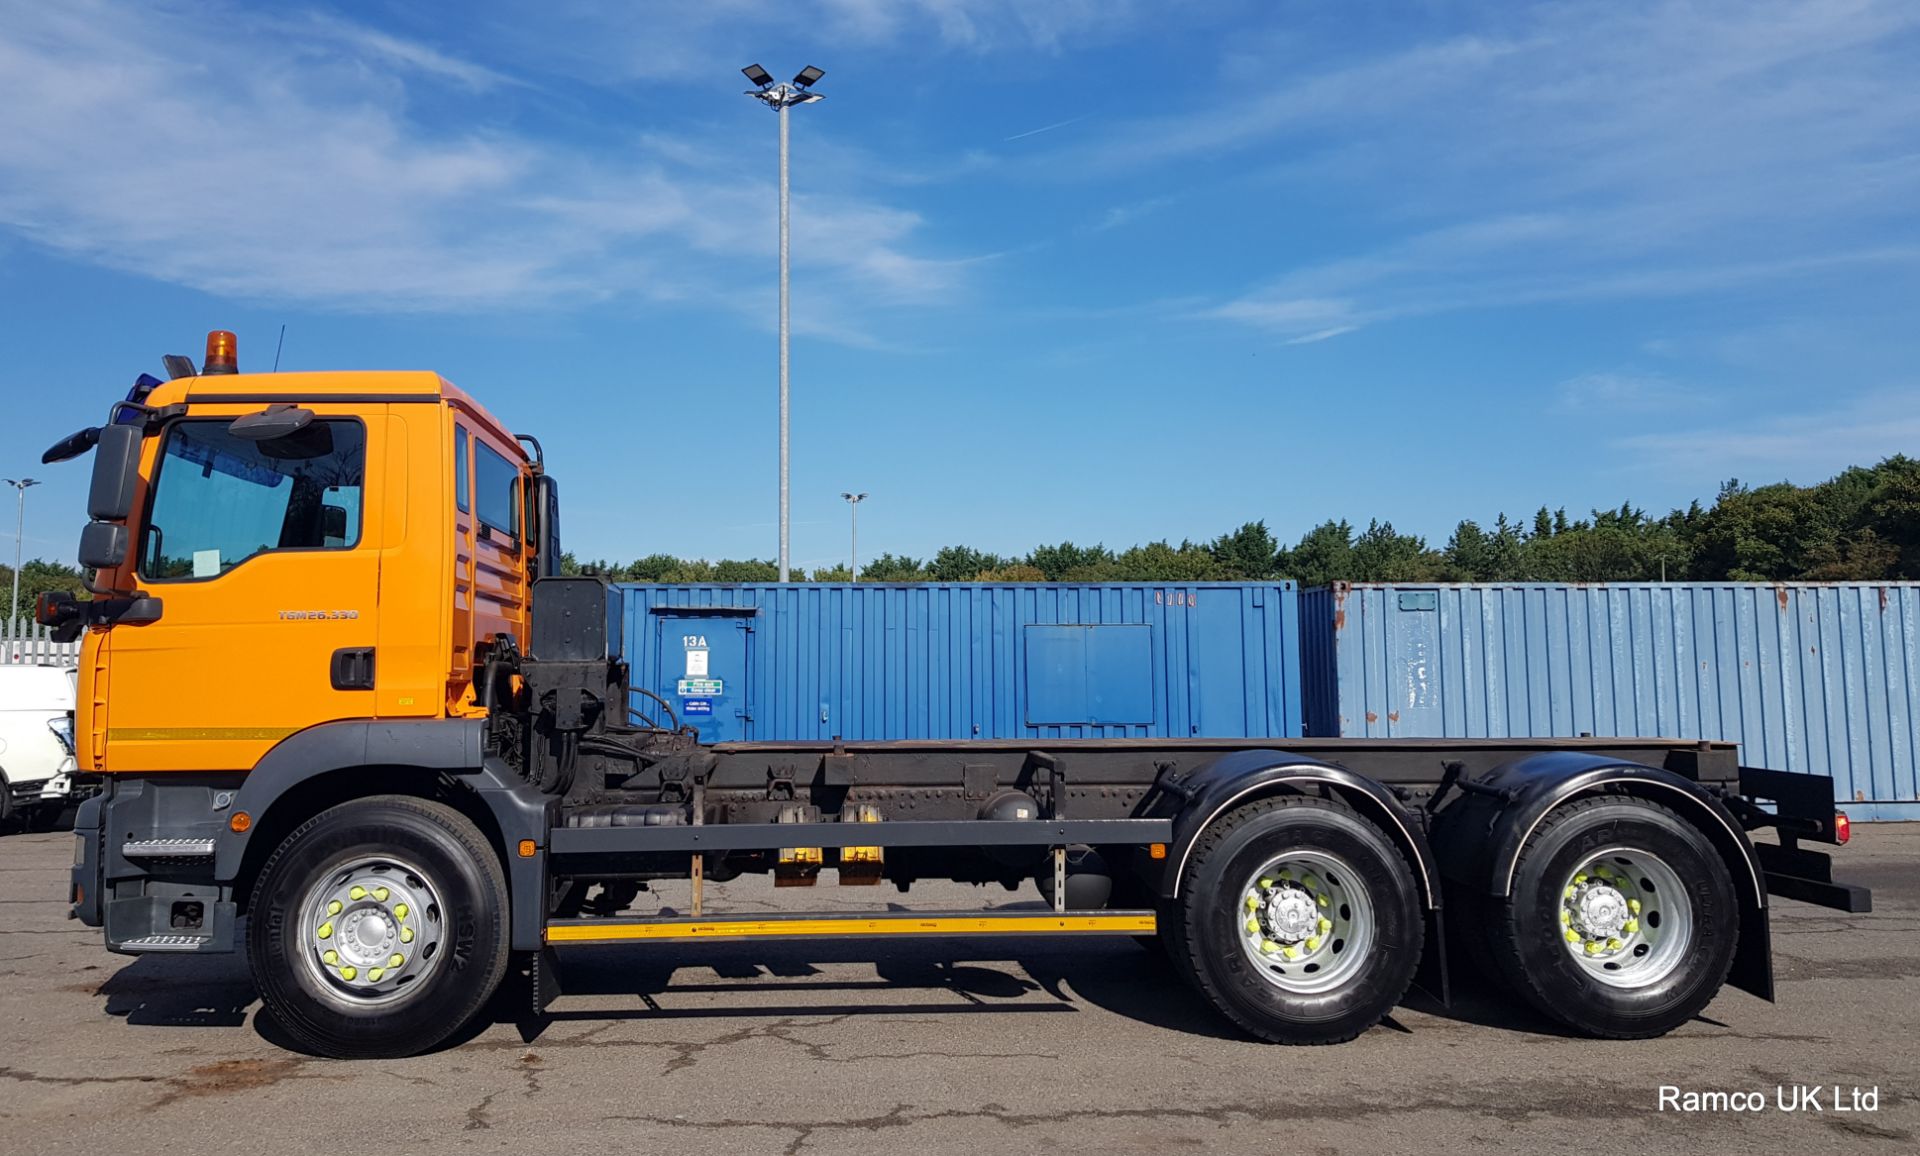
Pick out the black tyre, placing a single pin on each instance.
(379, 928)
(1622, 922)
(1298, 919)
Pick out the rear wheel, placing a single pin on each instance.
(1622, 921)
(379, 928)
(1299, 920)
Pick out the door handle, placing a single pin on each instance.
(352, 668)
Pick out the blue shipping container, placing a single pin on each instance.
(798, 662)
(1815, 677)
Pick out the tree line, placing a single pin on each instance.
(1861, 525)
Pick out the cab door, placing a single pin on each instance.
(266, 564)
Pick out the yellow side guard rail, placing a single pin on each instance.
(904, 923)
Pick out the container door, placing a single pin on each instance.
(1414, 624)
(703, 672)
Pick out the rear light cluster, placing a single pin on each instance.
(1842, 827)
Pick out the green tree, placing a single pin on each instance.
(1893, 513)
(888, 568)
(1381, 554)
(1324, 555)
(1249, 552)
(1160, 562)
(750, 570)
(1070, 563)
(1012, 572)
(962, 564)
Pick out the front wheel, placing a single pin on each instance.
(1299, 920)
(379, 928)
(1622, 921)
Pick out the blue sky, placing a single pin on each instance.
(1106, 271)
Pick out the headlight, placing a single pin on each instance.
(62, 729)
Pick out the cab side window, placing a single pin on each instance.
(496, 483)
(462, 480)
(219, 500)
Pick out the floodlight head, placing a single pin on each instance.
(758, 75)
(809, 76)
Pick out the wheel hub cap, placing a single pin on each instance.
(371, 927)
(1306, 921)
(1603, 911)
(1625, 918)
(1291, 914)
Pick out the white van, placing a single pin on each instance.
(36, 742)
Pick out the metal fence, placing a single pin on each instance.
(26, 641)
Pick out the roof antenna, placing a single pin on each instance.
(282, 344)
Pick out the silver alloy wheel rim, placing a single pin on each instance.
(1305, 921)
(371, 929)
(1625, 917)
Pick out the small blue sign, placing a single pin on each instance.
(696, 706)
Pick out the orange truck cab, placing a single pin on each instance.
(259, 563)
(333, 683)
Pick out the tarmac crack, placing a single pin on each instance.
(1869, 1131)
(26, 1077)
(478, 1116)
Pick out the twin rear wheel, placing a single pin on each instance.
(1298, 919)
(1302, 922)
(1622, 921)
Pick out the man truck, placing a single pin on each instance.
(349, 718)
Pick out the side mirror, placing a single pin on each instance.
(546, 531)
(103, 546)
(71, 446)
(275, 421)
(333, 522)
(116, 466)
(61, 613)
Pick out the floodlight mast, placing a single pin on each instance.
(781, 97)
(853, 508)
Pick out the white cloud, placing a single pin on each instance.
(1577, 151)
(684, 39)
(1119, 215)
(1811, 444)
(293, 169)
(1319, 335)
(373, 43)
(1632, 393)
(1044, 128)
(1300, 315)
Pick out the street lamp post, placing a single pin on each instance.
(853, 510)
(781, 97)
(19, 536)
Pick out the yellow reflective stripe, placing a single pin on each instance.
(195, 734)
(1130, 924)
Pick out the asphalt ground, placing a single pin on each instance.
(939, 1046)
